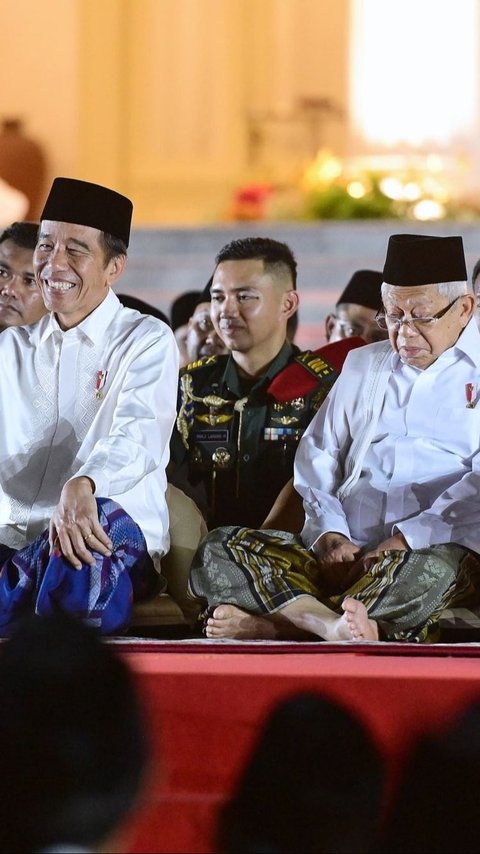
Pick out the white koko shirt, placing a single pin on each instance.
(394, 448)
(96, 400)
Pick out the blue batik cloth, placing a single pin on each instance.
(34, 581)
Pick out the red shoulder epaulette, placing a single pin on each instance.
(312, 368)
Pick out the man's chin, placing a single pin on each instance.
(8, 317)
(416, 358)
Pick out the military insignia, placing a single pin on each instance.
(276, 434)
(213, 419)
(221, 457)
(298, 403)
(285, 419)
(200, 363)
(186, 413)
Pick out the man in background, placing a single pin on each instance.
(21, 301)
(181, 311)
(202, 337)
(356, 308)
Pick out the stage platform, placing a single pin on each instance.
(205, 701)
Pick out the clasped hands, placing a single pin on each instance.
(75, 528)
(342, 562)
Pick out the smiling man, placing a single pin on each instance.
(240, 416)
(87, 404)
(20, 299)
(389, 473)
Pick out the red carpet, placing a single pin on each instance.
(205, 702)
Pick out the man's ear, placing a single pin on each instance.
(329, 324)
(290, 303)
(468, 307)
(115, 268)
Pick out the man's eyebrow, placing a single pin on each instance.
(75, 240)
(220, 289)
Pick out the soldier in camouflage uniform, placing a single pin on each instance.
(240, 416)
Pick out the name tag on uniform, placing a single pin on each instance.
(274, 434)
(211, 435)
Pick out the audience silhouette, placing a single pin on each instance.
(436, 804)
(73, 747)
(314, 783)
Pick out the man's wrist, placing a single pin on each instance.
(87, 480)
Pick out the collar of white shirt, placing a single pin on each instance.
(93, 327)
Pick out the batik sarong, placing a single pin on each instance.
(405, 592)
(34, 581)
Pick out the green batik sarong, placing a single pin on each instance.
(405, 592)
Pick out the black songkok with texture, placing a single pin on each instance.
(83, 203)
(363, 289)
(418, 259)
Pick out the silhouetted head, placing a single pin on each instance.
(72, 737)
(313, 783)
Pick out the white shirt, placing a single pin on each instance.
(419, 462)
(54, 425)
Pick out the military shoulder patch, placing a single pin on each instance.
(204, 362)
(312, 369)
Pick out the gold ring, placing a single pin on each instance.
(88, 536)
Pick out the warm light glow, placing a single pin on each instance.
(356, 189)
(411, 191)
(392, 188)
(413, 70)
(324, 169)
(428, 209)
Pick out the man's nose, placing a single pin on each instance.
(230, 306)
(57, 260)
(407, 329)
(8, 287)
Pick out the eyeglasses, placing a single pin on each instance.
(346, 327)
(389, 321)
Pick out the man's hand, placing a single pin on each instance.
(74, 526)
(395, 543)
(336, 556)
(335, 548)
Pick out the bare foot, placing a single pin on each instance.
(356, 618)
(228, 621)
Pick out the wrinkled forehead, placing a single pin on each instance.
(64, 231)
(409, 296)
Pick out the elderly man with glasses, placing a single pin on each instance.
(389, 473)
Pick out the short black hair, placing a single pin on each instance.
(183, 307)
(24, 234)
(112, 246)
(276, 256)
